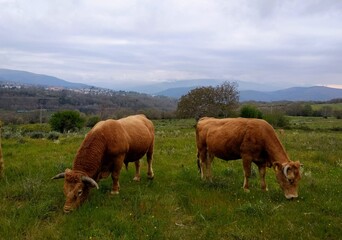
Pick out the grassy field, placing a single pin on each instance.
(333, 106)
(176, 204)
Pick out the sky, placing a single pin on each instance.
(117, 43)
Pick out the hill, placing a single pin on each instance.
(23, 77)
(316, 93)
(175, 89)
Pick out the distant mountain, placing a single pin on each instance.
(159, 87)
(177, 88)
(175, 92)
(23, 77)
(317, 93)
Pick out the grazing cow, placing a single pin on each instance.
(252, 140)
(108, 146)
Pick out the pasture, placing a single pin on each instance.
(176, 204)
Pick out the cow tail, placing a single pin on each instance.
(126, 165)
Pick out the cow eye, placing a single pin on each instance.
(80, 192)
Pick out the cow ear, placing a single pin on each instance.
(277, 166)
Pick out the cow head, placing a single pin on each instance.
(76, 188)
(288, 176)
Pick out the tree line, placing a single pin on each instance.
(38, 105)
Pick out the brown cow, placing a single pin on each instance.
(252, 140)
(108, 146)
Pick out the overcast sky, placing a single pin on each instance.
(122, 42)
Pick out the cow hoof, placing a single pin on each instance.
(137, 179)
(150, 176)
(114, 192)
(246, 190)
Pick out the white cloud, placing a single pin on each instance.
(111, 40)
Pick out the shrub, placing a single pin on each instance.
(92, 121)
(37, 127)
(65, 121)
(36, 134)
(250, 111)
(277, 120)
(53, 135)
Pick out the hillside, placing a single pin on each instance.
(317, 93)
(23, 77)
(25, 104)
(175, 89)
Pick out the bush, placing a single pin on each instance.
(250, 111)
(37, 127)
(65, 121)
(277, 120)
(92, 121)
(36, 135)
(53, 135)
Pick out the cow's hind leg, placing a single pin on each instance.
(137, 171)
(210, 158)
(247, 163)
(201, 163)
(149, 156)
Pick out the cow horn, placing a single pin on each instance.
(60, 175)
(90, 180)
(285, 170)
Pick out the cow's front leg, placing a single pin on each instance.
(137, 171)
(262, 173)
(247, 163)
(116, 174)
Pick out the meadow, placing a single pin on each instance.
(176, 204)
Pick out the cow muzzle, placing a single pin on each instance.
(67, 209)
(291, 196)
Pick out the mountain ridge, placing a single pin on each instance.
(176, 89)
(24, 77)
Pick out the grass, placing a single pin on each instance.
(176, 204)
(316, 123)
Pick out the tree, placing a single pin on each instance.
(209, 101)
(68, 120)
(197, 103)
(227, 97)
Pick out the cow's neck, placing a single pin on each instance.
(276, 151)
(87, 163)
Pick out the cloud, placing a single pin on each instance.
(131, 40)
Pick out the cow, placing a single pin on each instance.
(105, 149)
(252, 140)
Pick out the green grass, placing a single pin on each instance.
(316, 123)
(176, 204)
